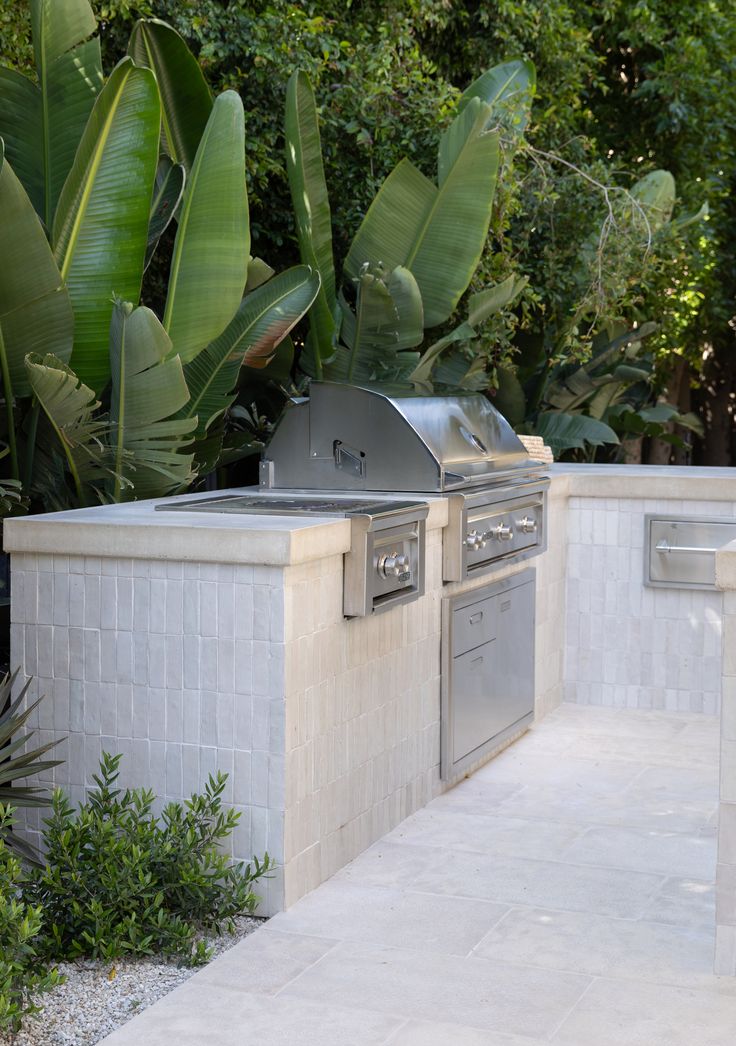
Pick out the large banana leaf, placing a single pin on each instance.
(438, 233)
(101, 223)
(570, 391)
(564, 432)
(508, 89)
(209, 266)
(494, 299)
(263, 320)
(480, 306)
(42, 124)
(70, 408)
(147, 389)
(185, 96)
(656, 193)
(456, 370)
(35, 311)
(167, 194)
(312, 210)
(509, 398)
(387, 321)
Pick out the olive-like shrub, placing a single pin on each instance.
(118, 880)
(23, 977)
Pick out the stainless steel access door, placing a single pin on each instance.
(487, 669)
(680, 551)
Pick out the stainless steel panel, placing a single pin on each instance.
(679, 551)
(510, 522)
(474, 625)
(488, 691)
(365, 591)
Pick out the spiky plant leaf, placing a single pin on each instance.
(16, 762)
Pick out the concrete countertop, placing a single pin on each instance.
(135, 530)
(679, 483)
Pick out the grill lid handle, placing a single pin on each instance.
(348, 459)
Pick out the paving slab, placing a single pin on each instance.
(562, 895)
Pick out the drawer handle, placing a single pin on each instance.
(665, 548)
(477, 661)
(475, 618)
(506, 605)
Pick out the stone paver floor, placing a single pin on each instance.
(563, 894)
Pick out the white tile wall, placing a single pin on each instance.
(180, 668)
(329, 729)
(628, 645)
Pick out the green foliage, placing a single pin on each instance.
(120, 881)
(621, 89)
(22, 974)
(96, 403)
(16, 762)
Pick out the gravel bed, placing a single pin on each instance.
(97, 997)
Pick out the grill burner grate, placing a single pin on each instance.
(270, 505)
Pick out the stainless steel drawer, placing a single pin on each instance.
(680, 551)
(487, 683)
(473, 625)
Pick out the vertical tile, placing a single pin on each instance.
(124, 657)
(190, 716)
(125, 604)
(157, 714)
(91, 601)
(45, 607)
(157, 609)
(174, 661)
(61, 599)
(44, 653)
(124, 702)
(157, 660)
(108, 601)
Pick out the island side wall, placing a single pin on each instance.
(628, 645)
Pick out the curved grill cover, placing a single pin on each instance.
(350, 437)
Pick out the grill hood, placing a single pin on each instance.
(350, 437)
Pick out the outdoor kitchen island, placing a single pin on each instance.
(197, 642)
(192, 642)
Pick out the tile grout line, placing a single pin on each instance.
(395, 1031)
(311, 966)
(557, 1029)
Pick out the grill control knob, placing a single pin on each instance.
(393, 565)
(475, 541)
(501, 532)
(527, 525)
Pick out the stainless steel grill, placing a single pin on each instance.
(354, 438)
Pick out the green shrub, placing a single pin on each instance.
(121, 881)
(21, 972)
